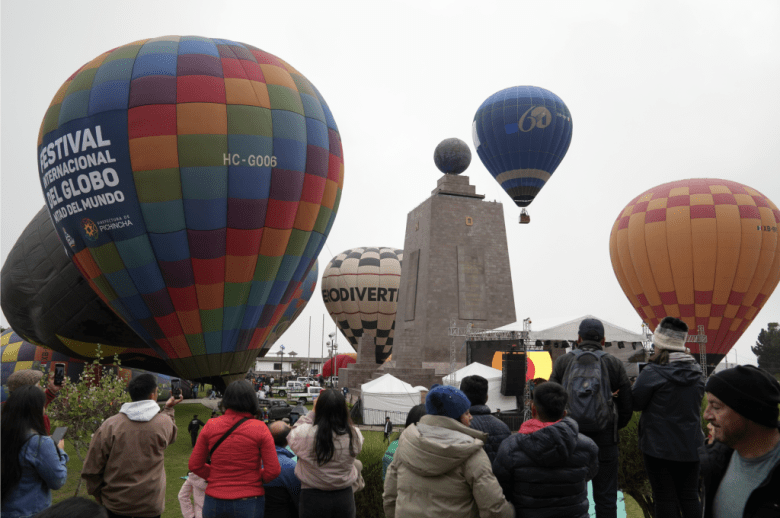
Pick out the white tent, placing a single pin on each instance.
(388, 396)
(495, 400)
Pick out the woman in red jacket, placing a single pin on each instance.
(242, 463)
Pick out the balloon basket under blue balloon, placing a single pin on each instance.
(525, 218)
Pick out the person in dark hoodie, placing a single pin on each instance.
(669, 392)
(476, 389)
(545, 468)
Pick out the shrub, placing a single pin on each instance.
(368, 502)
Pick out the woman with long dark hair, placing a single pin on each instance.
(239, 466)
(326, 443)
(668, 392)
(32, 465)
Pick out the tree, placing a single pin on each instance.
(298, 368)
(83, 406)
(632, 477)
(767, 348)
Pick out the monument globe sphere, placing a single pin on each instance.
(452, 156)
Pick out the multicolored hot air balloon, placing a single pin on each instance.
(521, 134)
(338, 362)
(300, 298)
(18, 354)
(703, 250)
(193, 181)
(360, 290)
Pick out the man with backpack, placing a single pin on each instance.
(600, 401)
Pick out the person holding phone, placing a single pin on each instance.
(32, 464)
(33, 377)
(125, 465)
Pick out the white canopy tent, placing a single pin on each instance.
(495, 400)
(388, 396)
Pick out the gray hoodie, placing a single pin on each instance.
(441, 469)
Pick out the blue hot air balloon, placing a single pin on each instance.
(521, 134)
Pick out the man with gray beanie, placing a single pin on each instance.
(740, 469)
(604, 433)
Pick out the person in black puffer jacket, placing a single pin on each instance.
(668, 392)
(545, 468)
(476, 389)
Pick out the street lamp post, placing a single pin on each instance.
(334, 348)
(281, 362)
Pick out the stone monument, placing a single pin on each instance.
(456, 267)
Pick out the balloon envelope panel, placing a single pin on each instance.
(44, 297)
(19, 354)
(702, 250)
(360, 290)
(193, 182)
(340, 361)
(521, 134)
(300, 298)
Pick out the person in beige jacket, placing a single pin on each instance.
(440, 467)
(124, 468)
(327, 444)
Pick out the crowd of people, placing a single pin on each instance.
(453, 458)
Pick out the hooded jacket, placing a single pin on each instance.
(669, 397)
(494, 427)
(441, 469)
(544, 470)
(124, 468)
(618, 382)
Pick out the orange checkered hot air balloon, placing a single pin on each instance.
(702, 250)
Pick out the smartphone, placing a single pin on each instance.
(176, 387)
(58, 434)
(59, 374)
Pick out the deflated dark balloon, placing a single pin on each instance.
(47, 301)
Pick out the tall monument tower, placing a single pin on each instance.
(456, 266)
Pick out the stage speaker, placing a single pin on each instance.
(513, 375)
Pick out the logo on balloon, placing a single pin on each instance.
(90, 229)
(539, 118)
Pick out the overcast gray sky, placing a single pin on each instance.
(658, 91)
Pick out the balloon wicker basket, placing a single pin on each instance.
(525, 218)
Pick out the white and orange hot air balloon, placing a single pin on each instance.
(702, 250)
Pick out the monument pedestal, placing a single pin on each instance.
(455, 267)
(355, 374)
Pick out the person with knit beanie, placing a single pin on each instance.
(440, 467)
(740, 469)
(668, 392)
(33, 377)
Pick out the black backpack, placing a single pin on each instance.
(590, 397)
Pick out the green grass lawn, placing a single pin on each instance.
(177, 455)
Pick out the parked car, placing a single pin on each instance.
(277, 408)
